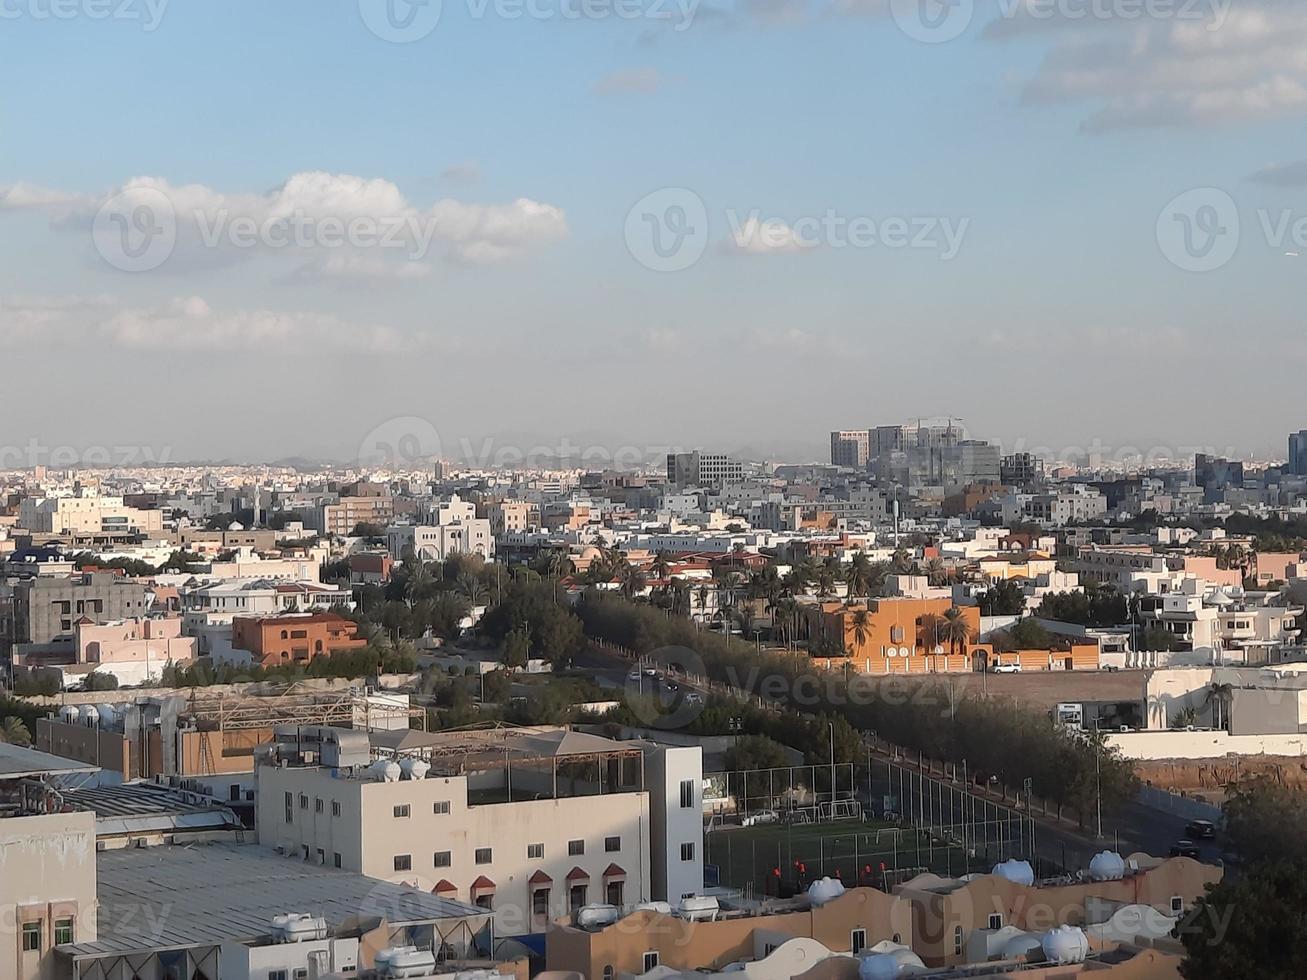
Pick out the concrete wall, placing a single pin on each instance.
(1203, 744)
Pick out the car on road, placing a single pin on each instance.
(650, 672)
(633, 676)
(1184, 849)
(1007, 668)
(672, 686)
(759, 817)
(1200, 829)
(694, 697)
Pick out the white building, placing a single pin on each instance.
(456, 531)
(529, 824)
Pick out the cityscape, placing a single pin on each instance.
(653, 490)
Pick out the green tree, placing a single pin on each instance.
(517, 647)
(1251, 926)
(15, 731)
(755, 752)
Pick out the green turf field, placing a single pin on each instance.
(745, 856)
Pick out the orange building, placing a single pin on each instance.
(896, 636)
(296, 638)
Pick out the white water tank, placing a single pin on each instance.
(297, 927)
(698, 907)
(593, 916)
(889, 966)
(68, 714)
(1018, 872)
(108, 715)
(1065, 945)
(824, 890)
(405, 961)
(88, 716)
(1020, 947)
(412, 768)
(384, 771)
(1107, 866)
(664, 908)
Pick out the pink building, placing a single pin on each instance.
(147, 643)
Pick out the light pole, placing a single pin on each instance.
(832, 768)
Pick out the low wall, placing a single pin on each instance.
(1203, 744)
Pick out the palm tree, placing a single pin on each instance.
(858, 575)
(861, 625)
(701, 595)
(14, 731)
(472, 588)
(936, 574)
(825, 582)
(953, 627)
(1219, 696)
(660, 564)
(420, 583)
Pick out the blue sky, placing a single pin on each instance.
(1059, 322)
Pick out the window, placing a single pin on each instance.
(612, 844)
(957, 940)
(687, 852)
(535, 852)
(442, 859)
(335, 808)
(486, 902)
(687, 794)
(63, 931)
(403, 862)
(858, 941)
(276, 975)
(484, 855)
(616, 889)
(540, 902)
(322, 856)
(650, 960)
(577, 897)
(335, 859)
(31, 936)
(317, 805)
(608, 972)
(290, 808)
(401, 810)
(1177, 904)
(304, 801)
(575, 847)
(440, 806)
(995, 920)
(301, 973)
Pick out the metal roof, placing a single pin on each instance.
(17, 762)
(175, 897)
(133, 808)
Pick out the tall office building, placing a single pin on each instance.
(1298, 452)
(850, 448)
(699, 469)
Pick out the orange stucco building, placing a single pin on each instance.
(899, 636)
(296, 638)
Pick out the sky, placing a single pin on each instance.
(254, 230)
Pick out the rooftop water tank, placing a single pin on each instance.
(384, 771)
(664, 908)
(68, 714)
(1107, 866)
(889, 966)
(108, 715)
(296, 927)
(1020, 947)
(593, 916)
(413, 768)
(88, 715)
(405, 961)
(698, 907)
(824, 890)
(1065, 945)
(1018, 872)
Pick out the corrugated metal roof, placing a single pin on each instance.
(206, 894)
(17, 762)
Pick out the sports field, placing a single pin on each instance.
(746, 856)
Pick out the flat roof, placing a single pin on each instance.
(17, 762)
(178, 897)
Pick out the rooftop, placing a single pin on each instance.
(17, 762)
(142, 808)
(202, 895)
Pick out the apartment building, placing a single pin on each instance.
(295, 637)
(86, 512)
(361, 503)
(1219, 625)
(46, 608)
(529, 824)
(456, 530)
(850, 448)
(510, 516)
(700, 469)
(47, 866)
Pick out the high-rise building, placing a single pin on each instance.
(1214, 474)
(698, 469)
(850, 448)
(1021, 469)
(1298, 452)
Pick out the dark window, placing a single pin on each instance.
(63, 931)
(442, 859)
(576, 897)
(31, 936)
(687, 852)
(858, 941)
(575, 847)
(616, 889)
(401, 810)
(650, 960)
(540, 901)
(484, 855)
(612, 844)
(486, 902)
(403, 862)
(687, 794)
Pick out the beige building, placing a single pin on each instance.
(86, 513)
(47, 867)
(526, 823)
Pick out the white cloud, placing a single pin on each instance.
(630, 81)
(336, 225)
(771, 236)
(190, 324)
(1242, 64)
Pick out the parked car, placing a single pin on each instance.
(633, 676)
(650, 672)
(1184, 849)
(1007, 668)
(760, 817)
(1200, 829)
(694, 697)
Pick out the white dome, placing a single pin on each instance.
(414, 768)
(1107, 866)
(888, 966)
(824, 890)
(1019, 872)
(1065, 944)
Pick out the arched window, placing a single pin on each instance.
(608, 972)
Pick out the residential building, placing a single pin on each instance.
(1021, 469)
(86, 512)
(528, 824)
(294, 638)
(456, 531)
(46, 608)
(851, 448)
(700, 469)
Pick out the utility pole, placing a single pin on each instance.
(832, 768)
